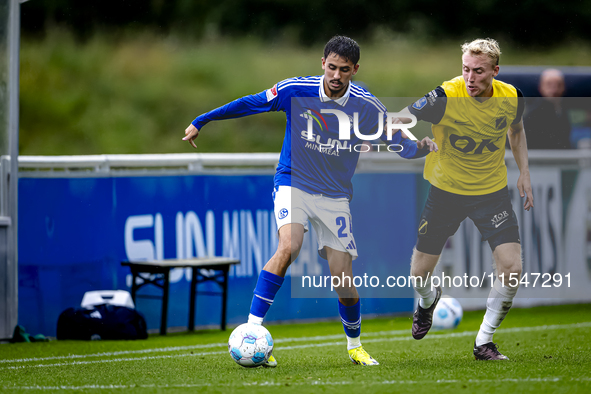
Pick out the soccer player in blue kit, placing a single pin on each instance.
(313, 177)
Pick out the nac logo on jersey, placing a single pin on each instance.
(500, 123)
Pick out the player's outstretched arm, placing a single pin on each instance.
(412, 147)
(401, 120)
(519, 148)
(244, 106)
(429, 143)
(191, 133)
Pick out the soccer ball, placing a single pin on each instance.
(448, 314)
(250, 345)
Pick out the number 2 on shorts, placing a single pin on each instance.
(342, 221)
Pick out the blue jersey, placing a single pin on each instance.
(314, 158)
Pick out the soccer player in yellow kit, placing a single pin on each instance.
(471, 116)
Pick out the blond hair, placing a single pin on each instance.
(480, 46)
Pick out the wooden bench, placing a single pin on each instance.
(159, 275)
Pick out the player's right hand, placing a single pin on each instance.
(191, 133)
(429, 143)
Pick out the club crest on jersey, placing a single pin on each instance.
(283, 213)
(272, 93)
(420, 103)
(500, 123)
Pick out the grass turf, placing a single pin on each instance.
(548, 347)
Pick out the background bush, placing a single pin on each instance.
(129, 76)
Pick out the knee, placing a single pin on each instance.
(422, 264)
(417, 273)
(289, 249)
(347, 293)
(508, 262)
(294, 248)
(510, 268)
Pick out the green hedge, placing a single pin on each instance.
(136, 94)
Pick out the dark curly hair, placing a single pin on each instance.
(344, 47)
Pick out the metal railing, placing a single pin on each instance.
(107, 165)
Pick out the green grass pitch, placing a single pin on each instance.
(549, 348)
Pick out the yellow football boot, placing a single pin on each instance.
(360, 356)
(271, 362)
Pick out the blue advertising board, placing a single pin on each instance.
(74, 233)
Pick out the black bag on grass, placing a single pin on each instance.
(101, 322)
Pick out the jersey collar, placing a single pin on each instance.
(342, 101)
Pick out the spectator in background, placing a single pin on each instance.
(546, 120)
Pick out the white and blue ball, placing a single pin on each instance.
(448, 314)
(250, 345)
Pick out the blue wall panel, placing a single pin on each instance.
(74, 232)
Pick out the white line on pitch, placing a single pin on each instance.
(194, 347)
(117, 353)
(406, 338)
(555, 379)
(110, 360)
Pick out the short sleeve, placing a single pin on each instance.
(430, 107)
(520, 107)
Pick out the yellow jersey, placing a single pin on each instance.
(470, 134)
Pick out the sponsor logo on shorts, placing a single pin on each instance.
(283, 213)
(498, 224)
(423, 227)
(499, 219)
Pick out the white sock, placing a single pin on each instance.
(498, 304)
(255, 319)
(352, 343)
(426, 292)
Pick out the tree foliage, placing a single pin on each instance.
(528, 22)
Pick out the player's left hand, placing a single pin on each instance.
(191, 133)
(524, 187)
(427, 142)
